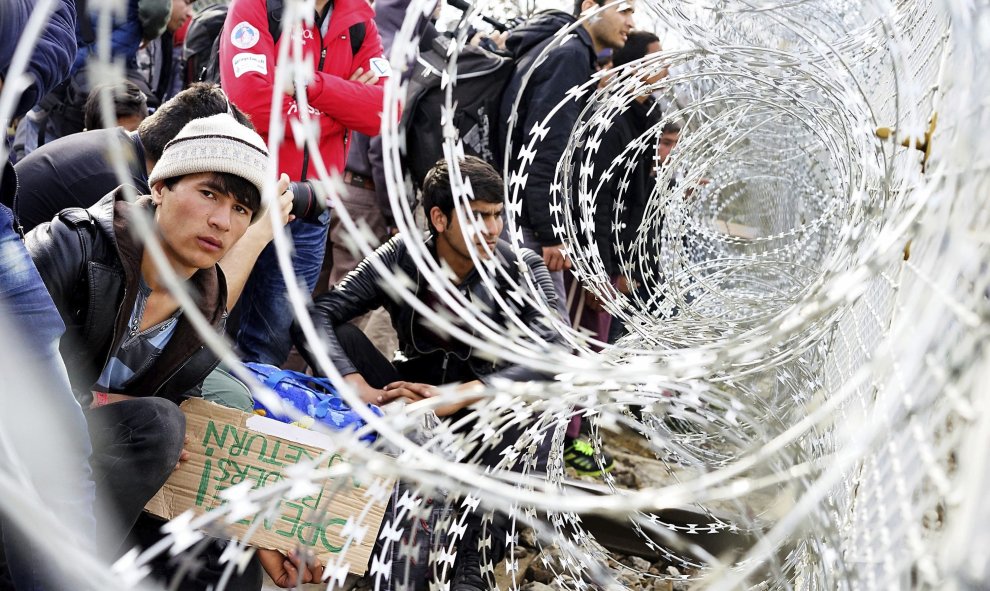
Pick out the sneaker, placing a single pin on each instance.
(580, 455)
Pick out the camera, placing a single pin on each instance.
(307, 204)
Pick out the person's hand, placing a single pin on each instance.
(496, 38)
(287, 571)
(413, 391)
(284, 200)
(260, 231)
(555, 258)
(622, 284)
(183, 455)
(592, 302)
(363, 77)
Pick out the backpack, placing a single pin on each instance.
(201, 49)
(308, 395)
(477, 95)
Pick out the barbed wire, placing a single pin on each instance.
(807, 325)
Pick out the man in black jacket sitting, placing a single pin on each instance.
(431, 356)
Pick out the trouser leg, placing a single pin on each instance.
(136, 445)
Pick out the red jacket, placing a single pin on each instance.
(247, 72)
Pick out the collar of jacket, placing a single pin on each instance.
(346, 13)
(408, 265)
(585, 38)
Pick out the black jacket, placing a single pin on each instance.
(364, 290)
(565, 67)
(90, 264)
(76, 171)
(625, 129)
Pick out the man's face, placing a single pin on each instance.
(484, 232)
(181, 12)
(667, 143)
(610, 27)
(197, 223)
(651, 49)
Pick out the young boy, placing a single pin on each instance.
(130, 350)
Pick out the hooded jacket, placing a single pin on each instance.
(247, 73)
(91, 265)
(364, 290)
(567, 66)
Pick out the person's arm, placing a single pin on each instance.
(535, 320)
(353, 104)
(607, 193)
(55, 249)
(53, 55)
(414, 392)
(239, 260)
(360, 292)
(553, 79)
(248, 75)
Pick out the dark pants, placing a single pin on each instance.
(196, 569)
(136, 444)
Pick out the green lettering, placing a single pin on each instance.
(204, 482)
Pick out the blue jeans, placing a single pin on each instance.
(263, 335)
(63, 480)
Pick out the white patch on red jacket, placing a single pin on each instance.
(250, 62)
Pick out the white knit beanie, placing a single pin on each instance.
(215, 144)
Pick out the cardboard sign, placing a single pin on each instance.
(227, 447)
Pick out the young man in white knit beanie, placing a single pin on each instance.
(131, 352)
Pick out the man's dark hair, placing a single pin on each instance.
(486, 185)
(128, 101)
(634, 49)
(671, 127)
(242, 190)
(578, 3)
(199, 100)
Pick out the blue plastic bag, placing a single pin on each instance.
(314, 397)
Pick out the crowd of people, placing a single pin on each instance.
(81, 280)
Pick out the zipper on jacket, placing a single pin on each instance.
(443, 368)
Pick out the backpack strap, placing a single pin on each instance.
(274, 8)
(357, 33)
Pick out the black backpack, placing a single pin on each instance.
(477, 95)
(201, 49)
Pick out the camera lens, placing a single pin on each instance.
(306, 204)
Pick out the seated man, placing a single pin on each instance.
(431, 357)
(131, 352)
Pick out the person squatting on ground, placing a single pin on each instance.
(344, 94)
(131, 353)
(431, 357)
